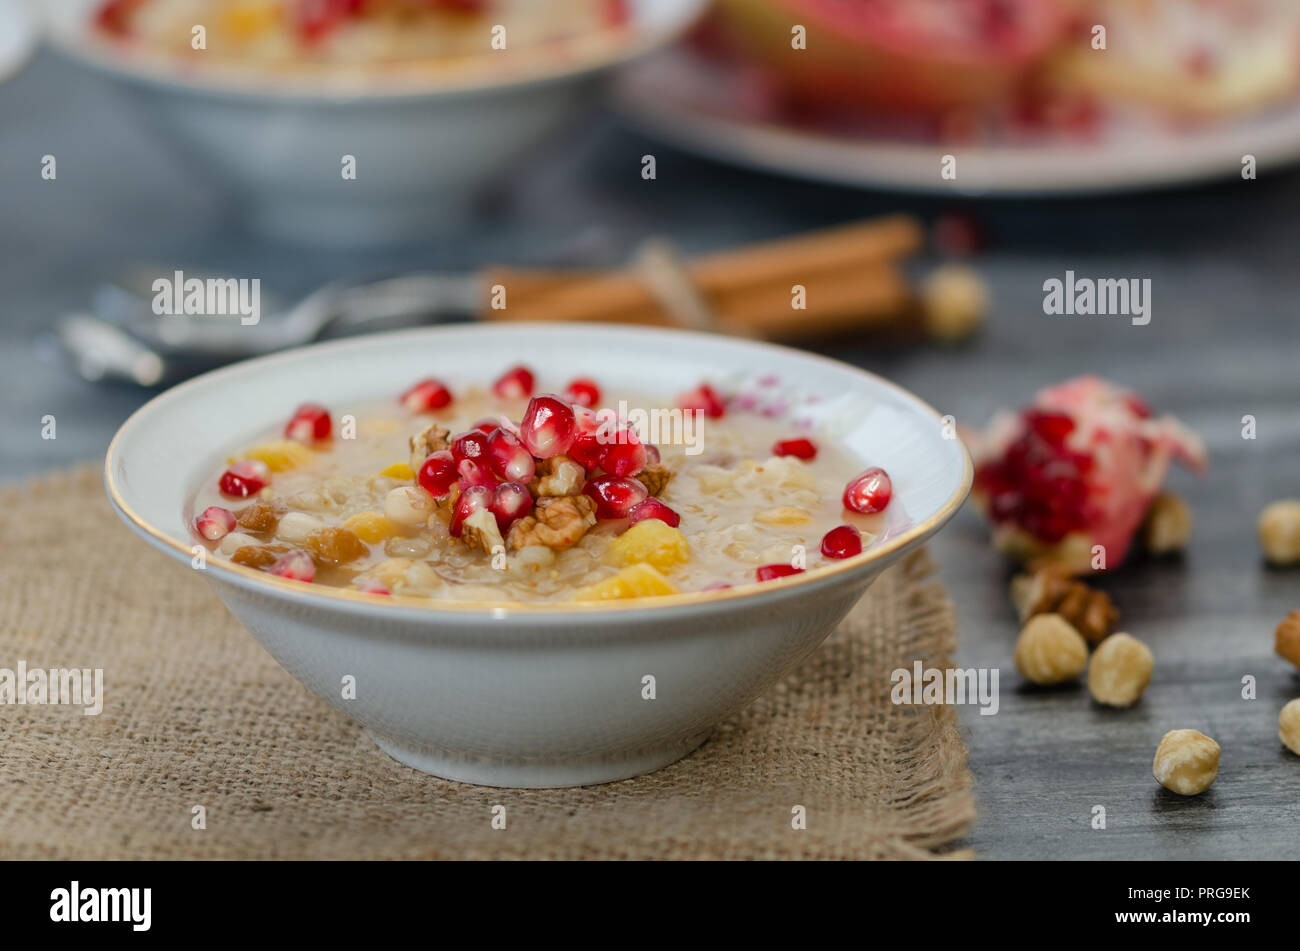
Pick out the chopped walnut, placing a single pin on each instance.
(261, 516)
(655, 477)
(428, 441)
(558, 476)
(480, 530)
(1051, 590)
(259, 556)
(557, 522)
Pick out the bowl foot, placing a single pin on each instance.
(518, 774)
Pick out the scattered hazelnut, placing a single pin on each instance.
(1168, 525)
(1288, 726)
(1279, 532)
(1050, 650)
(1187, 762)
(954, 301)
(1120, 671)
(1286, 640)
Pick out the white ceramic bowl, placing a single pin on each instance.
(422, 147)
(532, 694)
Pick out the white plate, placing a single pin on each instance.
(673, 97)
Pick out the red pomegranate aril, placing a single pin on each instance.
(772, 572)
(842, 542)
(486, 425)
(374, 587)
(511, 500)
(651, 454)
(515, 384)
(705, 399)
(548, 427)
(475, 472)
(586, 450)
(439, 473)
(508, 457)
(310, 423)
(295, 565)
(470, 445)
(799, 448)
(471, 499)
(426, 395)
(625, 456)
(215, 523)
(244, 479)
(869, 493)
(716, 586)
(615, 496)
(653, 508)
(582, 392)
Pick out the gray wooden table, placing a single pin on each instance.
(1222, 344)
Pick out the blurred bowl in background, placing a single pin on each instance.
(425, 142)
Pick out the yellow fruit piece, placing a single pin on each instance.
(650, 542)
(783, 515)
(399, 470)
(634, 581)
(281, 455)
(370, 527)
(248, 18)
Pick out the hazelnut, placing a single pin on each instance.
(1286, 640)
(1050, 650)
(1168, 525)
(1279, 532)
(1187, 762)
(1120, 671)
(954, 301)
(1288, 726)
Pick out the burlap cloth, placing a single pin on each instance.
(196, 713)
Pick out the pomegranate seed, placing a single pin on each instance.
(373, 587)
(439, 473)
(295, 565)
(772, 572)
(842, 542)
(515, 384)
(215, 523)
(582, 392)
(470, 445)
(703, 398)
(508, 457)
(511, 500)
(584, 421)
(716, 586)
(426, 395)
(245, 478)
(548, 426)
(615, 496)
(475, 472)
(310, 423)
(586, 450)
(653, 508)
(799, 448)
(624, 457)
(472, 498)
(869, 492)
(486, 425)
(651, 454)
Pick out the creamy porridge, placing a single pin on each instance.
(496, 494)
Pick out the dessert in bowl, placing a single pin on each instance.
(506, 585)
(425, 98)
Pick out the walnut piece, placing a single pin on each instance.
(480, 530)
(1286, 640)
(1050, 590)
(655, 477)
(262, 516)
(1187, 762)
(558, 476)
(1120, 671)
(1168, 525)
(557, 522)
(1050, 650)
(428, 441)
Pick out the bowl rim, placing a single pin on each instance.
(749, 593)
(81, 45)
